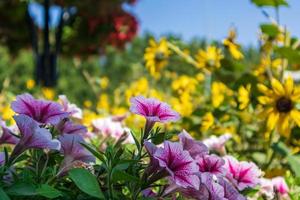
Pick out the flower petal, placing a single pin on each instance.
(277, 87)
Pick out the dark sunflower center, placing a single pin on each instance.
(284, 104)
(159, 56)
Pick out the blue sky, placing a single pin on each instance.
(210, 18)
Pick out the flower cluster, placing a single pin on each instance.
(46, 125)
(188, 165)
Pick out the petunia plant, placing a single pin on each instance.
(49, 154)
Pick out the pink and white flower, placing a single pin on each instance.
(179, 164)
(280, 186)
(153, 109)
(266, 188)
(217, 144)
(241, 173)
(195, 148)
(107, 127)
(73, 151)
(41, 111)
(32, 136)
(212, 164)
(71, 108)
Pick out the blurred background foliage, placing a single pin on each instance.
(78, 74)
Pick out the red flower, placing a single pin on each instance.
(125, 27)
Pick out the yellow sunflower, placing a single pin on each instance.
(156, 56)
(209, 58)
(279, 105)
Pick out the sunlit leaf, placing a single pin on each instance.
(272, 3)
(270, 29)
(86, 182)
(287, 52)
(294, 162)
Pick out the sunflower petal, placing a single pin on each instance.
(277, 87)
(295, 114)
(289, 85)
(283, 126)
(263, 89)
(272, 120)
(264, 100)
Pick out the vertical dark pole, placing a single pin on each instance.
(46, 56)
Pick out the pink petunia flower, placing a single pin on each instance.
(179, 164)
(153, 109)
(266, 188)
(73, 151)
(208, 189)
(280, 186)
(217, 144)
(41, 111)
(71, 108)
(195, 148)
(241, 173)
(153, 165)
(71, 128)
(6, 135)
(230, 192)
(32, 136)
(212, 164)
(107, 127)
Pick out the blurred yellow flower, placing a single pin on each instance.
(184, 84)
(279, 105)
(218, 93)
(156, 56)
(139, 87)
(88, 117)
(183, 104)
(30, 84)
(102, 103)
(244, 96)
(209, 58)
(7, 113)
(104, 81)
(48, 93)
(119, 110)
(200, 77)
(87, 103)
(207, 121)
(232, 46)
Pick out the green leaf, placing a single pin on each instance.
(119, 175)
(48, 191)
(294, 162)
(287, 52)
(86, 182)
(95, 152)
(270, 29)
(158, 138)
(3, 195)
(22, 189)
(272, 3)
(281, 149)
(136, 141)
